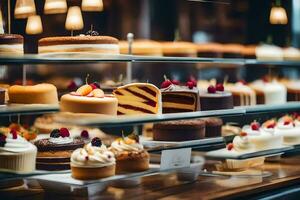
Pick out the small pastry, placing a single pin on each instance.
(289, 130)
(16, 154)
(93, 161)
(130, 154)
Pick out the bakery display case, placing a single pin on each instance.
(86, 115)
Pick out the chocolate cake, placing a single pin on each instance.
(181, 130)
(54, 153)
(213, 127)
(177, 98)
(11, 44)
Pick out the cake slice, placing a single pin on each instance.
(137, 98)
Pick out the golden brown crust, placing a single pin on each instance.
(125, 155)
(142, 47)
(132, 165)
(50, 154)
(77, 40)
(179, 49)
(89, 173)
(210, 47)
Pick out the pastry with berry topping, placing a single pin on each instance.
(215, 98)
(36, 94)
(89, 98)
(286, 127)
(138, 98)
(16, 154)
(54, 153)
(93, 161)
(89, 43)
(181, 130)
(177, 98)
(130, 154)
(242, 94)
(269, 92)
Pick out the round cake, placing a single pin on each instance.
(75, 44)
(37, 94)
(210, 50)
(89, 99)
(249, 51)
(179, 49)
(232, 50)
(11, 44)
(142, 47)
(181, 130)
(293, 89)
(242, 94)
(269, 52)
(213, 127)
(291, 54)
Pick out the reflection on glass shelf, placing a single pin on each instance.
(22, 109)
(77, 58)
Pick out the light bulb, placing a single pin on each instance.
(92, 5)
(74, 19)
(1, 23)
(34, 25)
(55, 6)
(24, 9)
(278, 15)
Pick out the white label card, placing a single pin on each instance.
(175, 158)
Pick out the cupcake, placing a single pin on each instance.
(130, 154)
(93, 161)
(289, 130)
(16, 154)
(54, 153)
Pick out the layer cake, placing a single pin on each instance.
(11, 44)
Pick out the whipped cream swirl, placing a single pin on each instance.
(61, 140)
(92, 156)
(17, 145)
(247, 129)
(242, 144)
(122, 145)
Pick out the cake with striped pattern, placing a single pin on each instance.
(138, 98)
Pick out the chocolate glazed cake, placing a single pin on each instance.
(216, 101)
(54, 153)
(181, 130)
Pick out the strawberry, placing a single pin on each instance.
(229, 146)
(15, 126)
(211, 89)
(175, 82)
(286, 123)
(220, 87)
(166, 84)
(84, 90)
(255, 126)
(64, 132)
(14, 134)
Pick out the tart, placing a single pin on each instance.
(93, 161)
(130, 155)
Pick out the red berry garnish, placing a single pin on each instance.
(14, 133)
(166, 84)
(243, 134)
(64, 132)
(295, 115)
(87, 158)
(72, 86)
(271, 126)
(255, 126)
(229, 146)
(95, 85)
(286, 123)
(193, 80)
(220, 87)
(84, 134)
(211, 89)
(175, 82)
(190, 85)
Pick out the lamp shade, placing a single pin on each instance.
(92, 5)
(34, 25)
(1, 23)
(278, 15)
(24, 9)
(55, 6)
(74, 19)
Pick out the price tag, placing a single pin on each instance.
(175, 158)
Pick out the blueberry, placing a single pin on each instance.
(96, 142)
(55, 133)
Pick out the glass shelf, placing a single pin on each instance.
(27, 109)
(82, 58)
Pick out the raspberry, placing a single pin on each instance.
(166, 84)
(190, 84)
(84, 134)
(96, 142)
(211, 89)
(220, 87)
(229, 146)
(14, 134)
(255, 126)
(64, 132)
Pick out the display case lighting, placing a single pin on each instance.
(34, 25)
(92, 5)
(24, 9)
(55, 6)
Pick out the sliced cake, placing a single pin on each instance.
(176, 98)
(137, 98)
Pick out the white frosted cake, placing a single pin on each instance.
(269, 53)
(289, 129)
(242, 94)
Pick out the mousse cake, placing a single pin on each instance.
(11, 44)
(138, 98)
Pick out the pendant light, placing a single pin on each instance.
(92, 5)
(34, 25)
(278, 14)
(74, 19)
(55, 6)
(1, 23)
(24, 9)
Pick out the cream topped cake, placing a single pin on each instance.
(289, 129)
(90, 43)
(11, 44)
(291, 54)
(93, 161)
(269, 92)
(176, 98)
(269, 52)
(16, 154)
(242, 94)
(138, 98)
(89, 98)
